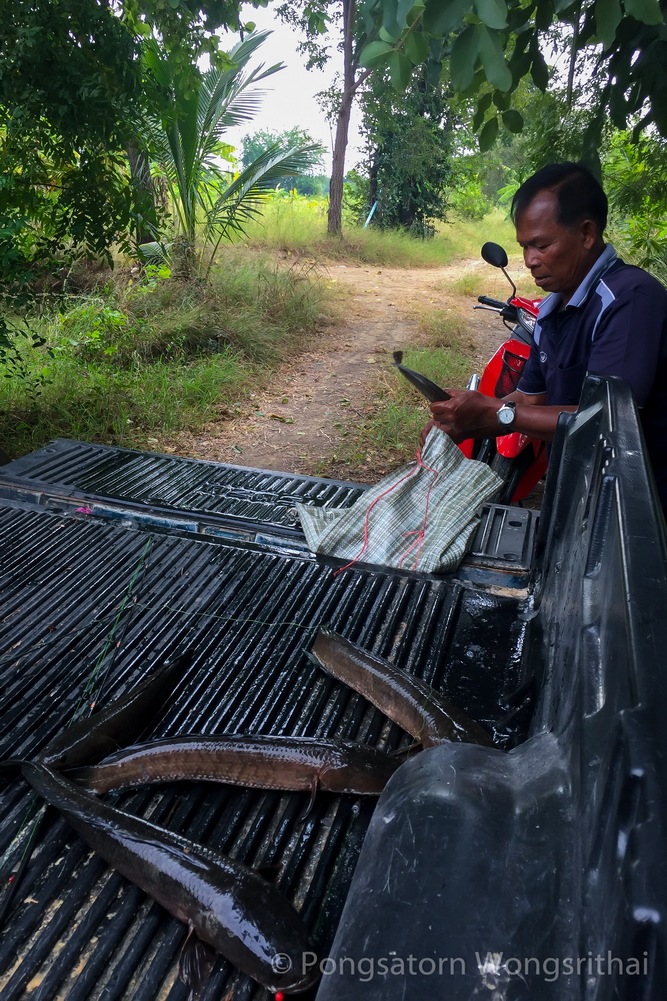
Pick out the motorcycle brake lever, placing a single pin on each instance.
(429, 389)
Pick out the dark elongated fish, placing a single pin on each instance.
(91, 739)
(257, 761)
(419, 709)
(429, 389)
(224, 903)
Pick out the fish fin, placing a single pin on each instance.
(311, 802)
(195, 964)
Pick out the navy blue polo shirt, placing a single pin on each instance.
(614, 324)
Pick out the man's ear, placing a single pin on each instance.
(589, 233)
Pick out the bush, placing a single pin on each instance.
(154, 355)
(469, 201)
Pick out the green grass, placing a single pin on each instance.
(296, 226)
(135, 361)
(466, 236)
(485, 280)
(390, 433)
(124, 407)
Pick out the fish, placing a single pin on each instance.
(226, 905)
(429, 389)
(255, 761)
(89, 740)
(417, 707)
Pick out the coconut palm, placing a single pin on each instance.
(187, 147)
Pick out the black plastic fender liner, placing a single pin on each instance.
(463, 885)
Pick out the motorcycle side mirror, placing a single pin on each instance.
(494, 255)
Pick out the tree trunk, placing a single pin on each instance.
(351, 84)
(143, 183)
(335, 217)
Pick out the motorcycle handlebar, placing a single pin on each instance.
(486, 300)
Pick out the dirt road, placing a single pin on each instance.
(298, 422)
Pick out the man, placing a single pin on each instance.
(603, 316)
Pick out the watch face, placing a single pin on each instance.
(506, 415)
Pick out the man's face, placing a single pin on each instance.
(558, 257)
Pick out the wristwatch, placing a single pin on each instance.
(506, 414)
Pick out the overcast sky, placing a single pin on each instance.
(290, 99)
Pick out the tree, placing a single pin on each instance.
(499, 42)
(553, 129)
(635, 178)
(258, 142)
(409, 139)
(253, 145)
(314, 18)
(187, 145)
(69, 74)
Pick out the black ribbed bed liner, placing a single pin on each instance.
(176, 483)
(80, 595)
(192, 497)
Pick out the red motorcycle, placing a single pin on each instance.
(519, 460)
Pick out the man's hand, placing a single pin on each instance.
(424, 434)
(468, 414)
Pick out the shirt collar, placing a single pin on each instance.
(553, 301)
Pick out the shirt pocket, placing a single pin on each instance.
(568, 382)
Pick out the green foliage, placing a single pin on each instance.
(499, 42)
(256, 143)
(69, 75)
(635, 175)
(356, 197)
(409, 140)
(467, 198)
(552, 131)
(635, 178)
(91, 327)
(149, 357)
(187, 142)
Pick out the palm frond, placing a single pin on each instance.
(185, 141)
(242, 200)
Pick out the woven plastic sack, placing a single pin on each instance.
(421, 517)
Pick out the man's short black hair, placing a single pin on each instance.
(579, 193)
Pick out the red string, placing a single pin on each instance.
(420, 532)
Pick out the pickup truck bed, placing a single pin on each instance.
(548, 847)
